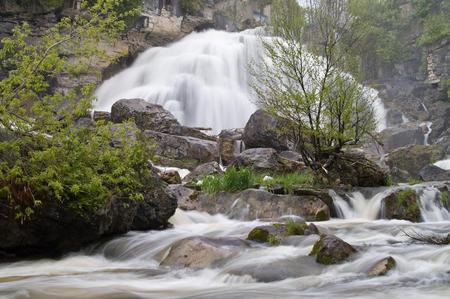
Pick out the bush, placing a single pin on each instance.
(233, 180)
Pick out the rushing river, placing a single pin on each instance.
(128, 266)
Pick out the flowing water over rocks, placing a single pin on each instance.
(130, 266)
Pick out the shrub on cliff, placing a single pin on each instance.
(44, 153)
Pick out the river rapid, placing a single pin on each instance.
(128, 266)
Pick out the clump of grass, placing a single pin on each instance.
(294, 228)
(273, 240)
(291, 180)
(404, 195)
(413, 181)
(233, 180)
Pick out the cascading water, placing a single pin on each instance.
(202, 79)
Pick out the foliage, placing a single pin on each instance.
(405, 194)
(273, 240)
(445, 198)
(44, 154)
(233, 180)
(324, 108)
(435, 29)
(192, 7)
(295, 228)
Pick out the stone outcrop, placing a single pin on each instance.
(402, 204)
(274, 234)
(254, 204)
(230, 144)
(201, 171)
(264, 130)
(201, 252)
(171, 177)
(332, 250)
(415, 157)
(55, 229)
(260, 159)
(396, 137)
(186, 197)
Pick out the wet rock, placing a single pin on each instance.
(332, 250)
(291, 155)
(264, 131)
(182, 147)
(433, 173)
(275, 233)
(152, 117)
(396, 137)
(323, 195)
(382, 267)
(415, 157)
(201, 252)
(55, 229)
(260, 159)
(230, 144)
(356, 170)
(402, 204)
(201, 171)
(258, 204)
(171, 177)
(186, 197)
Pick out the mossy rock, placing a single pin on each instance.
(403, 204)
(330, 249)
(273, 234)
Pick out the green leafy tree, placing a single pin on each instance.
(302, 81)
(44, 154)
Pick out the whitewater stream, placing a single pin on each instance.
(128, 266)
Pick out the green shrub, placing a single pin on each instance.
(233, 180)
(295, 228)
(291, 180)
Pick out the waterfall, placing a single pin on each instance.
(357, 206)
(202, 79)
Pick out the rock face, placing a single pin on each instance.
(201, 171)
(332, 250)
(254, 204)
(183, 148)
(201, 252)
(382, 267)
(54, 229)
(433, 173)
(415, 157)
(263, 130)
(355, 170)
(402, 204)
(260, 159)
(186, 197)
(396, 137)
(152, 117)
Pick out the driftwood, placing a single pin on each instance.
(428, 238)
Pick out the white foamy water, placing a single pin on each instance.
(202, 79)
(444, 164)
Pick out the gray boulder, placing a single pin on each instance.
(264, 130)
(433, 173)
(183, 147)
(230, 144)
(201, 171)
(254, 204)
(332, 250)
(152, 117)
(260, 159)
(201, 252)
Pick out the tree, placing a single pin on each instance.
(301, 79)
(44, 154)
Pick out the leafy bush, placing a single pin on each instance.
(233, 180)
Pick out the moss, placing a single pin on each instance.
(295, 228)
(322, 215)
(325, 259)
(273, 240)
(258, 235)
(445, 198)
(316, 248)
(403, 196)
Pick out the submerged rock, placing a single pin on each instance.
(201, 252)
(402, 204)
(332, 250)
(382, 267)
(264, 131)
(254, 204)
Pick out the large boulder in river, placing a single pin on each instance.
(264, 130)
(402, 204)
(260, 159)
(414, 157)
(183, 147)
(54, 228)
(275, 233)
(382, 267)
(254, 204)
(332, 250)
(433, 173)
(201, 252)
(152, 117)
